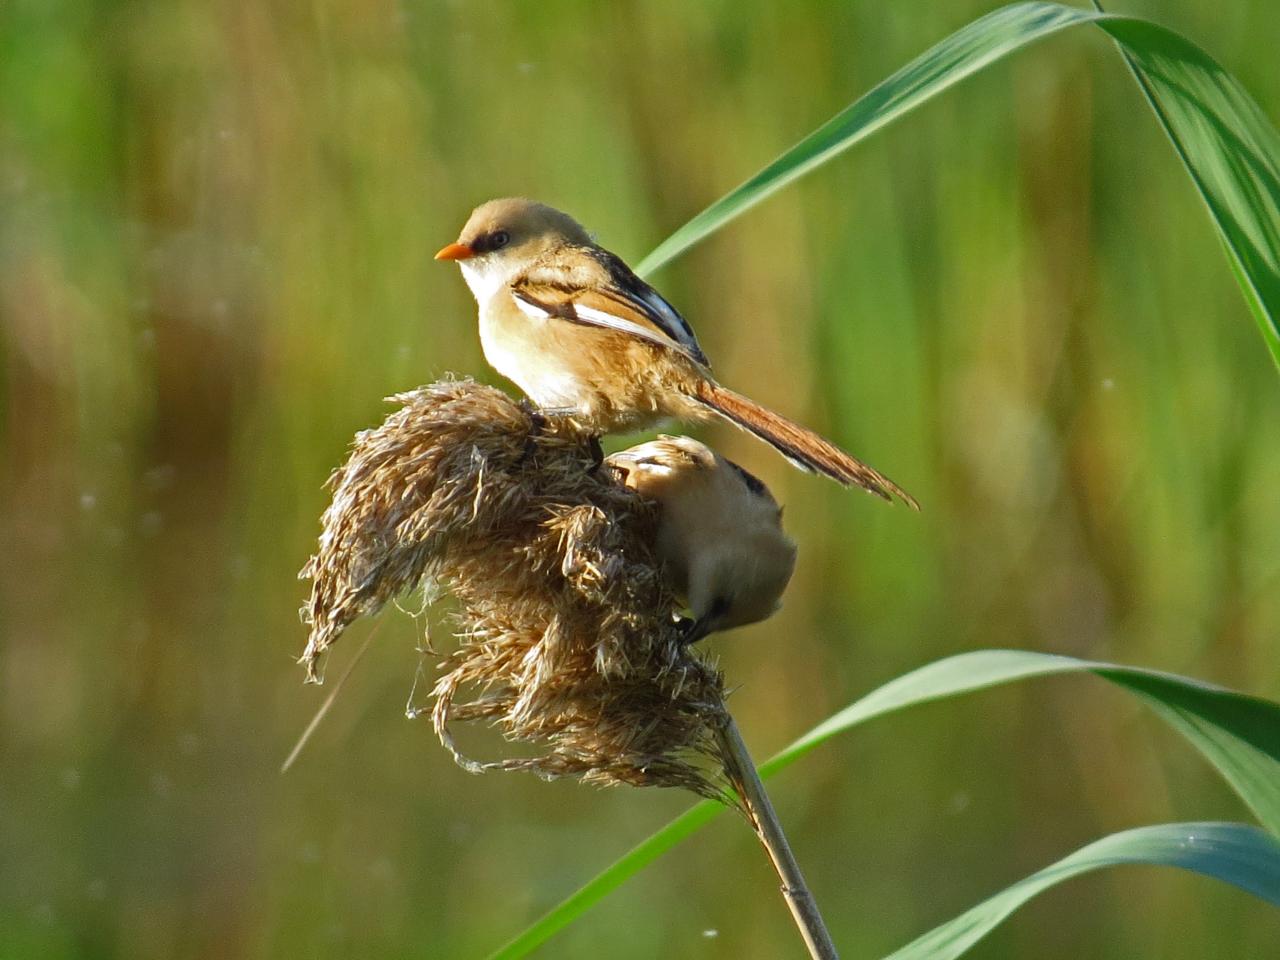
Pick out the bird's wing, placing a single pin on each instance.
(667, 454)
(595, 288)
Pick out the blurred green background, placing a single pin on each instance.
(216, 228)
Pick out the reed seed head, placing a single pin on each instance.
(568, 640)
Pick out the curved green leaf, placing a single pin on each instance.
(1227, 144)
(1231, 852)
(608, 880)
(1229, 148)
(1238, 734)
(962, 54)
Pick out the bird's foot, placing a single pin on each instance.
(537, 417)
(537, 423)
(691, 630)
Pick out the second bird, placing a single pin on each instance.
(574, 328)
(720, 537)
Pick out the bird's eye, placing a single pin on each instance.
(499, 239)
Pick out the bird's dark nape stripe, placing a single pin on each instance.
(754, 483)
(804, 448)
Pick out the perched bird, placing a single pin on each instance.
(571, 325)
(720, 537)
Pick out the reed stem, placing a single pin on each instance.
(742, 774)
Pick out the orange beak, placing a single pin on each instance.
(455, 251)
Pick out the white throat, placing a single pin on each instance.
(485, 279)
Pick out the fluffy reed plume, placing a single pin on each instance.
(567, 637)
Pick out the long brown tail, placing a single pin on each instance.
(800, 445)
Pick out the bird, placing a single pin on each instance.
(573, 327)
(720, 540)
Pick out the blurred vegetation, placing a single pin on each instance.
(216, 228)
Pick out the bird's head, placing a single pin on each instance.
(502, 237)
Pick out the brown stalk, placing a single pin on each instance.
(742, 774)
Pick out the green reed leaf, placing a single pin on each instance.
(1231, 852)
(1228, 146)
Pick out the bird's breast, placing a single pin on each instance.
(528, 352)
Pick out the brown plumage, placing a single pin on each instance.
(720, 537)
(800, 445)
(571, 325)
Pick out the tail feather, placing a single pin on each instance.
(800, 445)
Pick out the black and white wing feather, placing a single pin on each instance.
(597, 289)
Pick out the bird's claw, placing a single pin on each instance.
(537, 419)
(537, 423)
(691, 630)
